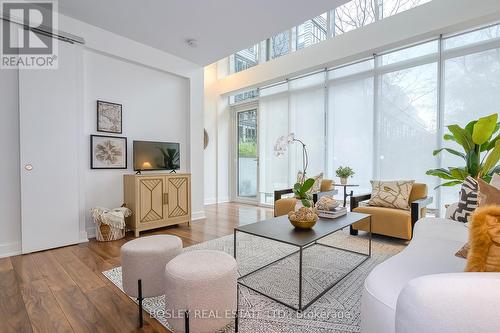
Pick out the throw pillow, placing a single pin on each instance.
(463, 252)
(468, 201)
(317, 181)
(392, 194)
(326, 185)
(488, 194)
(484, 240)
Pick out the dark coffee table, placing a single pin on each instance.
(279, 229)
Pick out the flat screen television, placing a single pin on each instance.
(149, 156)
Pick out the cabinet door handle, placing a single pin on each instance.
(165, 198)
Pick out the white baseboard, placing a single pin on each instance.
(10, 249)
(224, 200)
(84, 237)
(198, 215)
(213, 201)
(210, 201)
(90, 233)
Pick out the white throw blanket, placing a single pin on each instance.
(115, 217)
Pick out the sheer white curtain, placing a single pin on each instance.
(273, 123)
(350, 122)
(307, 121)
(407, 128)
(471, 88)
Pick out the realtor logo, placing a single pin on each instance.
(26, 35)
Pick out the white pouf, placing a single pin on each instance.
(145, 259)
(204, 283)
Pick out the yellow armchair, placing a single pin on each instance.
(392, 222)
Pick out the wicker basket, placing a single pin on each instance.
(105, 233)
(301, 221)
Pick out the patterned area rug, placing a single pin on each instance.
(336, 311)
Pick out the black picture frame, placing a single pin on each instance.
(93, 165)
(100, 126)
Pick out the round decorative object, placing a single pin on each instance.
(304, 218)
(205, 139)
(303, 224)
(327, 203)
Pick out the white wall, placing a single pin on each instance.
(110, 44)
(196, 157)
(102, 41)
(217, 124)
(210, 123)
(224, 165)
(10, 195)
(155, 108)
(162, 97)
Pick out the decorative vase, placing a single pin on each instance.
(343, 180)
(303, 218)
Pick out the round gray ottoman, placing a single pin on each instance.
(204, 284)
(145, 259)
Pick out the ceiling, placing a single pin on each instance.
(220, 27)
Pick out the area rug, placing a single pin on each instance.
(336, 311)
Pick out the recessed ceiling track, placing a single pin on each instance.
(43, 30)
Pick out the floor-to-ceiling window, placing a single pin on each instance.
(351, 15)
(471, 85)
(307, 122)
(407, 113)
(383, 116)
(278, 45)
(273, 122)
(350, 122)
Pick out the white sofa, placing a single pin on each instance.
(424, 289)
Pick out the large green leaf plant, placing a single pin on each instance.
(301, 191)
(481, 151)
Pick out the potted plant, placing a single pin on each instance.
(304, 217)
(481, 151)
(301, 192)
(343, 173)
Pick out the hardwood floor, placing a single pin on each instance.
(63, 290)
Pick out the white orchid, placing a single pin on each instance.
(282, 143)
(281, 146)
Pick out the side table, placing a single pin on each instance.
(346, 195)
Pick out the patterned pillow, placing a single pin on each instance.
(468, 200)
(317, 182)
(392, 194)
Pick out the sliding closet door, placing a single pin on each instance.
(49, 101)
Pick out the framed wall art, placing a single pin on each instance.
(108, 152)
(109, 117)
